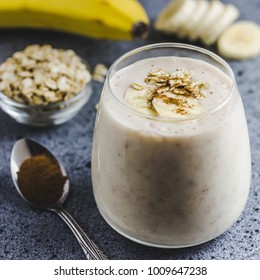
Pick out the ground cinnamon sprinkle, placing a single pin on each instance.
(41, 181)
(171, 100)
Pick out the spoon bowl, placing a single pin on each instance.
(27, 148)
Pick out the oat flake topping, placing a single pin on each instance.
(179, 83)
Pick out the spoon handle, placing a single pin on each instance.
(90, 249)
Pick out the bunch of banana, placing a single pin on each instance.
(211, 22)
(110, 19)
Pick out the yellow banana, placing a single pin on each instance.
(110, 19)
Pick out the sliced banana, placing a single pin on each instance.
(214, 11)
(174, 15)
(214, 30)
(137, 100)
(195, 18)
(162, 22)
(240, 41)
(176, 106)
(183, 19)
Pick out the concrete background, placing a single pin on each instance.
(27, 233)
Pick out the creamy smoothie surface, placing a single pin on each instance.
(171, 156)
(171, 87)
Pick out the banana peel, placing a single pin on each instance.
(107, 19)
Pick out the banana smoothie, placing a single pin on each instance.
(171, 156)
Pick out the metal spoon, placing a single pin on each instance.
(26, 148)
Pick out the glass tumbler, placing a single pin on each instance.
(172, 182)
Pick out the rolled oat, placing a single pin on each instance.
(42, 75)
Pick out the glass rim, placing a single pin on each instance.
(206, 52)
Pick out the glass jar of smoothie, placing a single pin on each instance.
(179, 178)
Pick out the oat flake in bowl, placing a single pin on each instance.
(43, 86)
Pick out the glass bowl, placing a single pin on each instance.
(45, 115)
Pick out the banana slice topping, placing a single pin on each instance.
(171, 105)
(136, 98)
(171, 95)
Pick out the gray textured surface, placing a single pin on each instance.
(26, 233)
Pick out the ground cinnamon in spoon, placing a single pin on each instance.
(41, 181)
